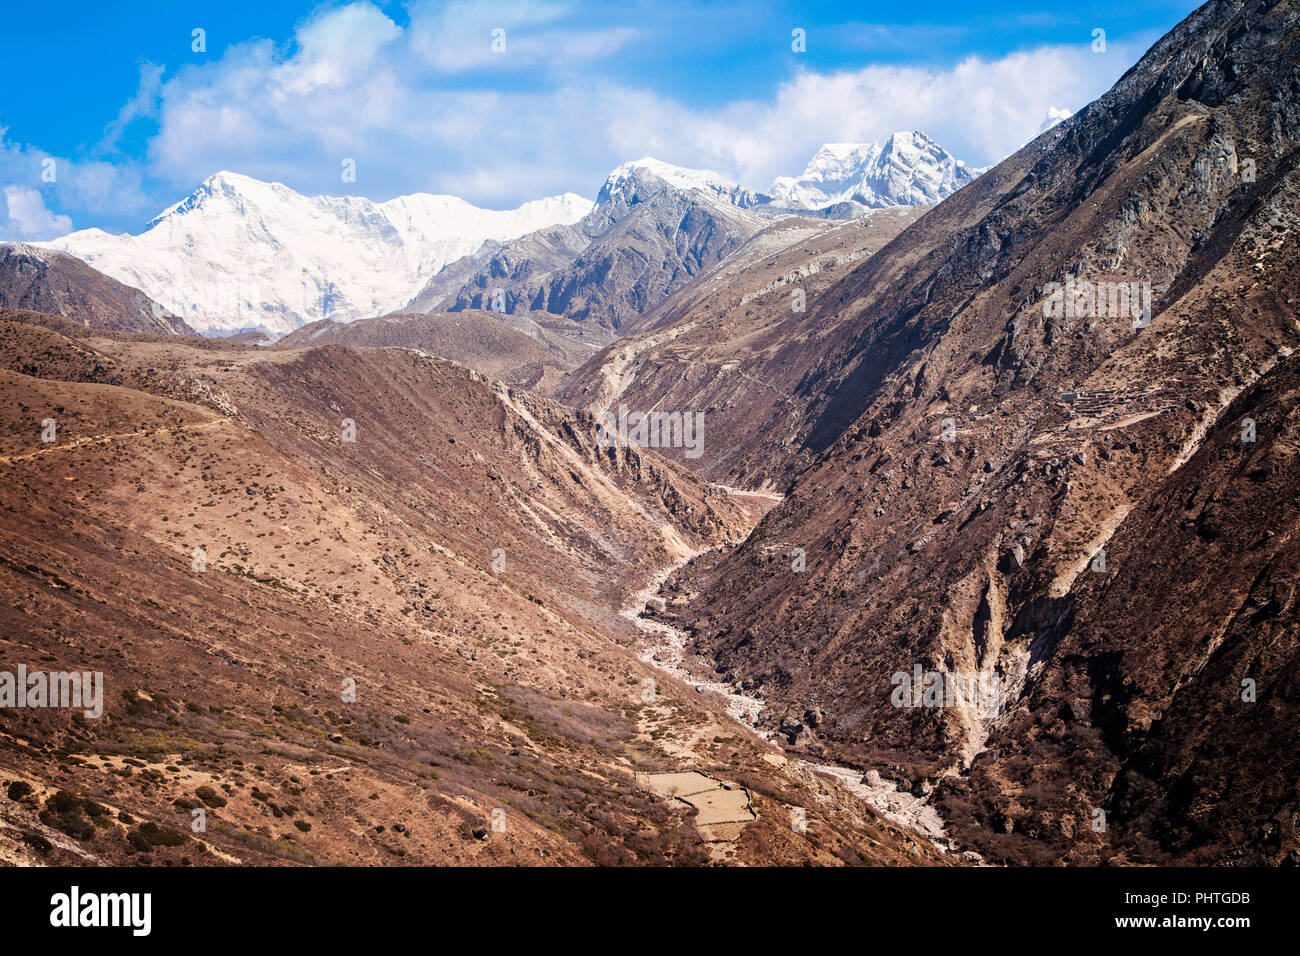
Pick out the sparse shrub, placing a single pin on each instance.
(149, 835)
(18, 790)
(66, 812)
(210, 797)
(38, 843)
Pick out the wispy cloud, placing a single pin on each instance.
(334, 49)
(456, 37)
(143, 105)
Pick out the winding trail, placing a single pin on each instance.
(105, 439)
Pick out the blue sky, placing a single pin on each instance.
(134, 118)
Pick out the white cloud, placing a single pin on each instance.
(95, 187)
(980, 109)
(25, 216)
(335, 47)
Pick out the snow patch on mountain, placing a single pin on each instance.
(1054, 115)
(241, 253)
(910, 169)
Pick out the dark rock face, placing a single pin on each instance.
(56, 283)
(1104, 559)
(1167, 695)
(636, 247)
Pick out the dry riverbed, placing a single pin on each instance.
(664, 647)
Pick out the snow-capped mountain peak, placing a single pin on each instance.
(838, 160)
(909, 169)
(622, 182)
(240, 253)
(224, 186)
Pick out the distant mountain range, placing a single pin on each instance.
(239, 253)
(510, 348)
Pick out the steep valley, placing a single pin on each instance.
(352, 606)
(983, 549)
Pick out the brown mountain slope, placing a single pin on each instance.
(458, 567)
(44, 280)
(510, 348)
(722, 344)
(978, 449)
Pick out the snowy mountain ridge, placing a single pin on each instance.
(682, 177)
(909, 169)
(241, 253)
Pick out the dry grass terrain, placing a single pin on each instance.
(477, 689)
